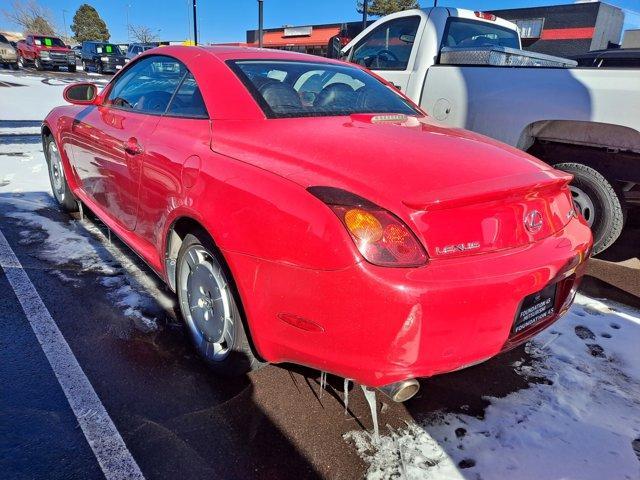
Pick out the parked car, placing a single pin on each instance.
(136, 49)
(44, 51)
(343, 230)
(8, 55)
(77, 50)
(466, 69)
(102, 57)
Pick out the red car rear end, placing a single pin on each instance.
(305, 211)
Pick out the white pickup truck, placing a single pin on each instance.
(466, 69)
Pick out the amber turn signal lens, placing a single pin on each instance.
(381, 237)
(363, 225)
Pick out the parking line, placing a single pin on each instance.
(104, 439)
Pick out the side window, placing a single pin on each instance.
(148, 85)
(389, 46)
(188, 101)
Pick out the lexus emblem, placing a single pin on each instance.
(533, 221)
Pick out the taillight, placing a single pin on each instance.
(486, 16)
(381, 237)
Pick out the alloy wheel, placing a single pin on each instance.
(205, 301)
(56, 172)
(584, 204)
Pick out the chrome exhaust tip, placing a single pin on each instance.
(401, 391)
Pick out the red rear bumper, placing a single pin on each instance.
(380, 325)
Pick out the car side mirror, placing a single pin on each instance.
(334, 47)
(81, 93)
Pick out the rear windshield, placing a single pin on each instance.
(308, 89)
(461, 32)
(48, 42)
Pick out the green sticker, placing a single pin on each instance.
(109, 49)
(48, 42)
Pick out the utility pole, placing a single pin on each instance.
(128, 25)
(365, 11)
(64, 23)
(260, 23)
(195, 24)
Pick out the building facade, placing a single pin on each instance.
(567, 30)
(563, 30)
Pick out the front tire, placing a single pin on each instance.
(59, 185)
(20, 62)
(71, 68)
(38, 64)
(598, 201)
(15, 66)
(209, 308)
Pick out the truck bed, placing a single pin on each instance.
(504, 102)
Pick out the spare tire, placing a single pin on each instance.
(599, 202)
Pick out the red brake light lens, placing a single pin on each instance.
(381, 238)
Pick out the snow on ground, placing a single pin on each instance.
(74, 246)
(34, 96)
(583, 423)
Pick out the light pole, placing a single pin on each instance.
(128, 25)
(195, 24)
(260, 23)
(365, 10)
(64, 23)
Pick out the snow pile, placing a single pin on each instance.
(582, 423)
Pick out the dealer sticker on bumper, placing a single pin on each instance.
(535, 307)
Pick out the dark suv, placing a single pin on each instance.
(101, 56)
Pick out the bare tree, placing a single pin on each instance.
(31, 17)
(142, 34)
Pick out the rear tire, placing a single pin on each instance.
(207, 300)
(15, 66)
(598, 201)
(71, 68)
(59, 185)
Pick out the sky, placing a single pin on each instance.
(227, 21)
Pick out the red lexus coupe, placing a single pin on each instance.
(305, 211)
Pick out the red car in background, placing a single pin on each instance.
(306, 211)
(45, 51)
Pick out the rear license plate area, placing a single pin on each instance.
(535, 308)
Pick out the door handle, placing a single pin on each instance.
(132, 147)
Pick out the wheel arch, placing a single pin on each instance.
(179, 228)
(45, 131)
(582, 133)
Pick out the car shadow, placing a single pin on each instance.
(176, 417)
